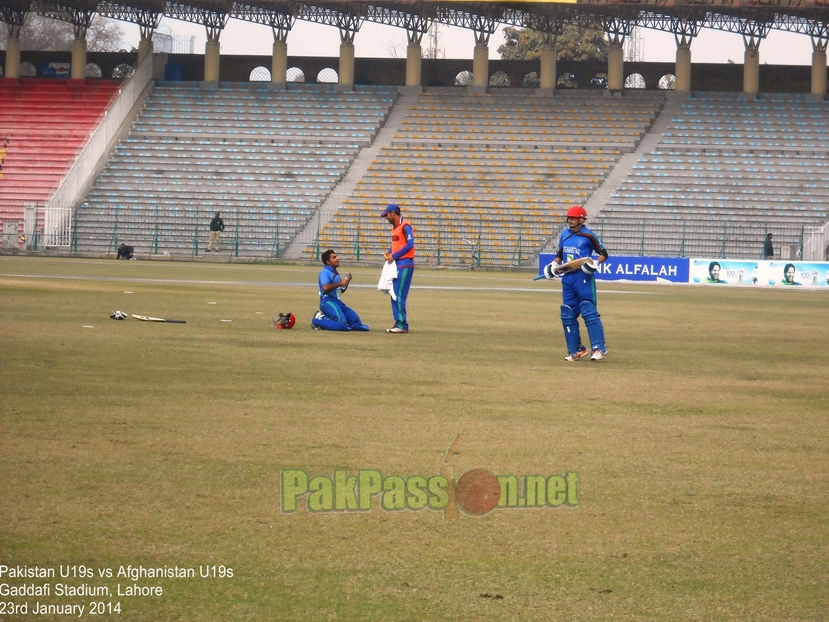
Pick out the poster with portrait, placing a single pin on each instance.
(782, 273)
(724, 272)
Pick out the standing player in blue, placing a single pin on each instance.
(578, 287)
(401, 252)
(334, 314)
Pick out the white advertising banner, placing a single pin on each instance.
(777, 273)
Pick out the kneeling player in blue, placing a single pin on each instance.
(334, 314)
(578, 287)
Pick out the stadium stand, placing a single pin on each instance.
(265, 159)
(43, 125)
(478, 174)
(745, 167)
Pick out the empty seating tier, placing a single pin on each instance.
(265, 159)
(43, 126)
(725, 161)
(485, 179)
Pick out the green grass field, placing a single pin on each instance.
(701, 446)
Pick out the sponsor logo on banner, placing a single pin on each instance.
(55, 70)
(653, 269)
(709, 271)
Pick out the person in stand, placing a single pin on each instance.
(217, 225)
(768, 248)
(333, 313)
(402, 253)
(125, 252)
(578, 287)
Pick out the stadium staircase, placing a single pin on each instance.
(265, 159)
(724, 173)
(482, 177)
(625, 166)
(44, 123)
(309, 235)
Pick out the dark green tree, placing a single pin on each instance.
(573, 44)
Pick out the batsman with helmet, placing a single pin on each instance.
(578, 287)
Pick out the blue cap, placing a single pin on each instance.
(394, 207)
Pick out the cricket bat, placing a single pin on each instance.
(454, 448)
(564, 268)
(147, 318)
(451, 509)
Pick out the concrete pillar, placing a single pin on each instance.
(414, 53)
(211, 61)
(78, 59)
(145, 46)
(13, 57)
(159, 65)
(683, 69)
(279, 63)
(819, 72)
(615, 67)
(548, 67)
(751, 71)
(480, 65)
(346, 64)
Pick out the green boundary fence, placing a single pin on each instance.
(468, 240)
(686, 237)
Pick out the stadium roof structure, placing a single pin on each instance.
(751, 18)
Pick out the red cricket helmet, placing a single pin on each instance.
(286, 320)
(577, 211)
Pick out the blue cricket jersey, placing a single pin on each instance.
(572, 246)
(329, 275)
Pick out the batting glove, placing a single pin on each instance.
(551, 271)
(590, 267)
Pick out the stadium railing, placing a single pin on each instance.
(457, 238)
(703, 237)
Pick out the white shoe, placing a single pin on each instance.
(578, 355)
(597, 355)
